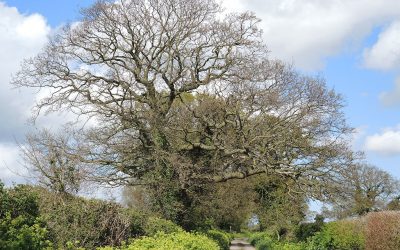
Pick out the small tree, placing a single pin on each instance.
(394, 204)
(363, 188)
(46, 156)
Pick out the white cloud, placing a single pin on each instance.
(357, 138)
(308, 31)
(11, 170)
(386, 143)
(391, 98)
(385, 53)
(22, 36)
(32, 27)
(231, 5)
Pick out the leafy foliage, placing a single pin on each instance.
(20, 225)
(177, 241)
(279, 210)
(306, 230)
(156, 225)
(87, 221)
(341, 235)
(228, 206)
(19, 201)
(222, 238)
(261, 240)
(31, 217)
(19, 233)
(264, 241)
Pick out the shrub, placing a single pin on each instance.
(155, 225)
(306, 230)
(19, 201)
(89, 222)
(20, 226)
(288, 246)
(18, 233)
(262, 240)
(137, 222)
(222, 238)
(383, 230)
(265, 241)
(255, 237)
(231, 236)
(340, 235)
(176, 241)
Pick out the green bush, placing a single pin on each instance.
(69, 219)
(155, 225)
(289, 246)
(89, 222)
(19, 201)
(222, 238)
(264, 244)
(231, 236)
(340, 235)
(265, 241)
(73, 222)
(174, 241)
(307, 230)
(18, 234)
(20, 225)
(261, 240)
(138, 221)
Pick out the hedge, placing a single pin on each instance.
(222, 238)
(340, 235)
(156, 225)
(174, 241)
(383, 230)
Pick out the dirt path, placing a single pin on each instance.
(241, 244)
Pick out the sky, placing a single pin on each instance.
(353, 44)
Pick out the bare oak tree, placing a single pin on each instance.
(364, 188)
(180, 91)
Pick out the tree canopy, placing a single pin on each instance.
(364, 188)
(181, 94)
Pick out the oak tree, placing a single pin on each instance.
(364, 188)
(181, 94)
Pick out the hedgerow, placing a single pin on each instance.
(155, 225)
(340, 235)
(20, 224)
(383, 230)
(174, 241)
(222, 238)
